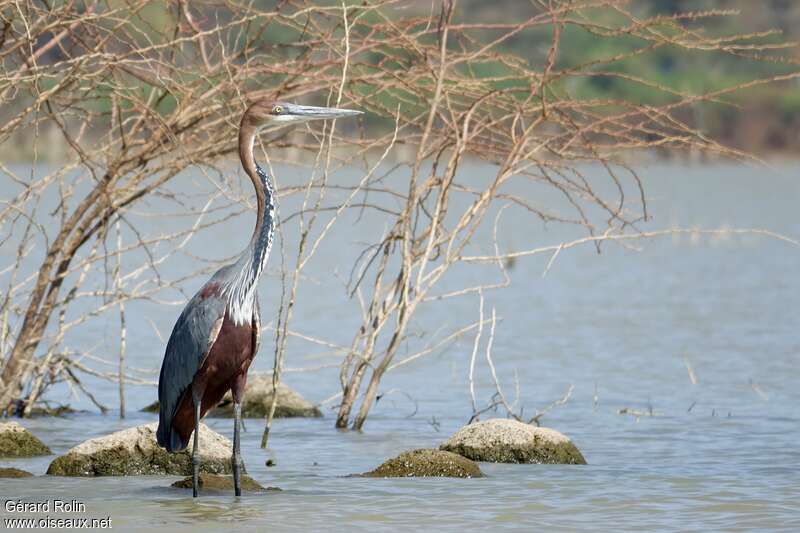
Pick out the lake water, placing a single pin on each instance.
(721, 454)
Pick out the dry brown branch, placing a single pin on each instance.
(690, 370)
(127, 97)
(637, 413)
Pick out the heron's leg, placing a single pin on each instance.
(197, 398)
(236, 460)
(237, 391)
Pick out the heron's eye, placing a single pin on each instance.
(277, 110)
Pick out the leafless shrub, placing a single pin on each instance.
(137, 92)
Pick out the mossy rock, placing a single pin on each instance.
(212, 482)
(151, 408)
(501, 440)
(14, 473)
(135, 452)
(16, 441)
(257, 401)
(427, 463)
(59, 410)
(258, 398)
(40, 410)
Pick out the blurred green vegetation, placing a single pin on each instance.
(776, 106)
(620, 67)
(609, 66)
(674, 68)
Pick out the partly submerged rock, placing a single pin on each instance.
(135, 452)
(222, 483)
(502, 440)
(257, 401)
(16, 441)
(14, 473)
(40, 410)
(151, 408)
(58, 410)
(427, 463)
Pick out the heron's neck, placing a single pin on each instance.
(251, 262)
(261, 242)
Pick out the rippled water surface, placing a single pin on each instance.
(721, 454)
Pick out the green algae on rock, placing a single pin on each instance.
(151, 408)
(501, 440)
(214, 482)
(258, 399)
(58, 410)
(13, 473)
(427, 463)
(16, 441)
(135, 452)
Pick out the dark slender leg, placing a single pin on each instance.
(236, 460)
(237, 391)
(197, 397)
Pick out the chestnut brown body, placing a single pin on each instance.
(224, 369)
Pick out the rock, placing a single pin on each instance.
(16, 441)
(14, 473)
(222, 483)
(257, 400)
(502, 440)
(59, 410)
(135, 452)
(427, 463)
(152, 408)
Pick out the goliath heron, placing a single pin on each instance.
(216, 336)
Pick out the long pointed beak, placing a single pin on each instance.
(308, 112)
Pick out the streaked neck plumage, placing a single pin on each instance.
(241, 290)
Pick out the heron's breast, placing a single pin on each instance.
(230, 354)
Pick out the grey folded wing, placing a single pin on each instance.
(192, 337)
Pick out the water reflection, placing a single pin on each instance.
(216, 508)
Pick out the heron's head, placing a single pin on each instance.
(268, 112)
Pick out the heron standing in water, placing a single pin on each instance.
(216, 336)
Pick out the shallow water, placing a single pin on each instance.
(721, 454)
